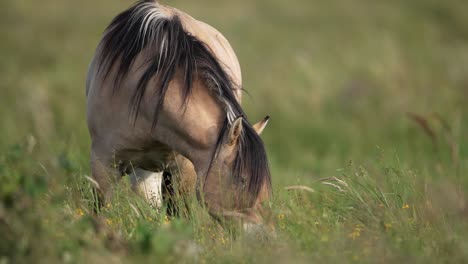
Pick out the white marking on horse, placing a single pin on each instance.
(148, 184)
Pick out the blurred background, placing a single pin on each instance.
(345, 82)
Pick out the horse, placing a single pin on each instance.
(163, 93)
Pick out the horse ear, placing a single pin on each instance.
(258, 127)
(235, 131)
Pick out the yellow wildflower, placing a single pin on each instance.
(109, 221)
(223, 241)
(282, 226)
(387, 226)
(406, 206)
(167, 221)
(79, 212)
(356, 232)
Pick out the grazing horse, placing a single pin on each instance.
(163, 93)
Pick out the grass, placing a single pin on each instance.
(368, 105)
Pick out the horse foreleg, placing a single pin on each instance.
(104, 175)
(179, 186)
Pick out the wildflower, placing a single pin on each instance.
(387, 226)
(281, 216)
(108, 205)
(109, 221)
(406, 206)
(282, 226)
(356, 232)
(167, 221)
(79, 212)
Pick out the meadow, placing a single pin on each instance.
(368, 105)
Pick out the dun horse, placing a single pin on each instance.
(163, 91)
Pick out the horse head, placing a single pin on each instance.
(238, 180)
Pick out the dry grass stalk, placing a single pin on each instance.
(299, 187)
(424, 124)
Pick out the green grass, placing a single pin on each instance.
(341, 80)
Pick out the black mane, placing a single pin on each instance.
(172, 49)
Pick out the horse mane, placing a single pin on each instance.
(144, 27)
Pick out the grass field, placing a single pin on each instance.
(369, 107)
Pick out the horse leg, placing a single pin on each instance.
(179, 185)
(104, 174)
(148, 185)
(168, 193)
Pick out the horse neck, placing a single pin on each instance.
(191, 128)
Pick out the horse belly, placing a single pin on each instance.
(155, 159)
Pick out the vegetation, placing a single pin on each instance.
(369, 110)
